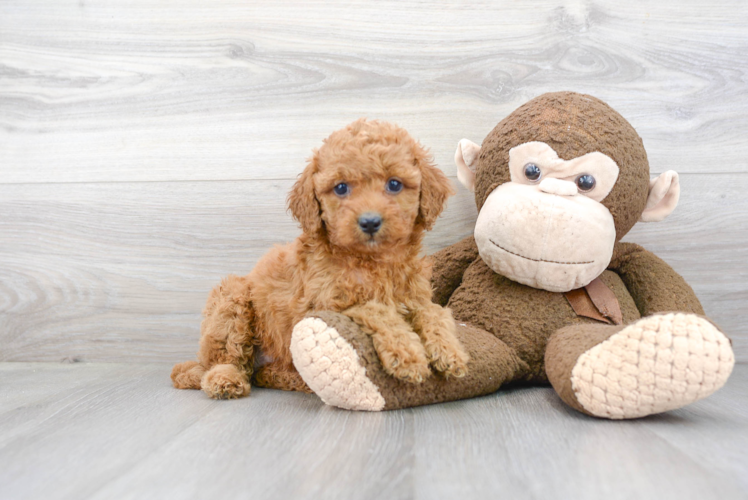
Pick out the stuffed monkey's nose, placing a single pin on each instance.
(370, 222)
(551, 185)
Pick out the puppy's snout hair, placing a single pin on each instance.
(370, 222)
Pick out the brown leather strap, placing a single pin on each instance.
(605, 301)
(583, 305)
(596, 301)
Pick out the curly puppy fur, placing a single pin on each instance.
(378, 280)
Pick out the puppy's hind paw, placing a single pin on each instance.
(187, 375)
(225, 382)
(448, 358)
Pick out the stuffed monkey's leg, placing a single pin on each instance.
(339, 363)
(225, 355)
(658, 363)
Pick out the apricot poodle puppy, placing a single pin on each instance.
(364, 201)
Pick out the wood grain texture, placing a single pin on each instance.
(121, 431)
(146, 148)
(143, 90)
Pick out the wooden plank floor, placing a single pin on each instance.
(121, 431)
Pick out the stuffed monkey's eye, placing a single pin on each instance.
(394, 186)
(341, 189)
(585, 182)
(532, 171)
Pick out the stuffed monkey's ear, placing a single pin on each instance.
(435, 188)
(466, 158)
(664, 191)
(302, 201)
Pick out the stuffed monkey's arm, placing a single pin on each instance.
(449, 264)
(654, 285)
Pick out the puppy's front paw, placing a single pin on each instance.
(447, 357)
(403, 357)
(439, 333)
(225, 382)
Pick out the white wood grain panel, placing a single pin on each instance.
(528, 431)
(77, 439)
(338, 455)
(121, 431)
(133, 91)
(721, 443)
(120, 271)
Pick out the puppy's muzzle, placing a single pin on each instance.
(370, 222)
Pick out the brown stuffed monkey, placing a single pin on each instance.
(545, 291)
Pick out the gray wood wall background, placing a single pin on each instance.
(146, 147)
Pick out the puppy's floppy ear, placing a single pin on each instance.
(302, 201)
(435, 188)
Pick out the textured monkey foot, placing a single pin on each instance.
(331, 367)
(225, 382)
(448, 358)
(659, 363)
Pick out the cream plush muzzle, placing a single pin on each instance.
(557, 242)
(542, 231)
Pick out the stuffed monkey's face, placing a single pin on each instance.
(547, 228)
(552, 223)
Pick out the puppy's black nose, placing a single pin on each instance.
(370, 222)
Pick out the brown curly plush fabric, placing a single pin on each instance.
(573, 125)
(522, 317)
(449, 267)
(565, 347)
(669, 292)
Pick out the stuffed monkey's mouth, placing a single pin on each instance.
(539, 260)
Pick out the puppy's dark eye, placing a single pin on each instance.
(394, 186)
(341, 189)
(585, 182)
(532, 171)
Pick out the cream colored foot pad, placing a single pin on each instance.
(657, 364)
(330, 367)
